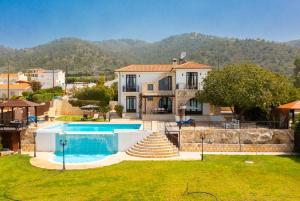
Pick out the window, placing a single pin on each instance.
(130, 82)
(192, 80)
(130, 104)
(165, 103)
(165, 84)
(150, 87)
(193, 106)
(150, 98)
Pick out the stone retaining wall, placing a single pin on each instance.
(237, 140)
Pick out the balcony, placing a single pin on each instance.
(187, 86)
(130, 89)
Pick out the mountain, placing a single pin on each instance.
(215, 51)
(295, 43)
(78, 55)
(94, 56)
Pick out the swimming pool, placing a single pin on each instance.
(92, 127)
(87, 142)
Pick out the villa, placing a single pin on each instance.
(161, 91)
(47, 78)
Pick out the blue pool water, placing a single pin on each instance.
(108, 128)
(92, 142)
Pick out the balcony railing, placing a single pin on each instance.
(130, 89)
(188, 86)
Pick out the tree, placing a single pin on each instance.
(35, 85)
(100, 95)
(246, 86)
(297, 66)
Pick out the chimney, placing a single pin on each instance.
(174, 61)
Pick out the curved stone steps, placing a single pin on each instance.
(155, 145)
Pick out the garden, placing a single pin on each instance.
(218, 177)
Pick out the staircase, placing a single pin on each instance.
(155, 145)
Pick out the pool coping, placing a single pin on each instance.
(43, 160)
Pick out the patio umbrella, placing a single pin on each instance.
(89, 107)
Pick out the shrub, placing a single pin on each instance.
(41, 98)
(119, 110)
(35, 85)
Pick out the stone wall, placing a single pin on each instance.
(235, 140)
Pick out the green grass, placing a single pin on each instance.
(227, 177)
(76, 118)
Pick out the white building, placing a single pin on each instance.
(47, 78)
(162, 91)
(15, 89)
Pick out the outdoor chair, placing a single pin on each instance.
(84, 117)
(96, 116)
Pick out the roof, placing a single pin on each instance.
(18, 103)
(11, 75)
(291, 106)
(16, 86)
(162, 67)
(146, 68)
(192, 65)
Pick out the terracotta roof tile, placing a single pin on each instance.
(146, 68)
(192, 65)
(16, 86)
(11, 75)
(161, 67)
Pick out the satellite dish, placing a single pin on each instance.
(182, 55)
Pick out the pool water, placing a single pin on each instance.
(87, 142)
(101, 128)
(79, 158)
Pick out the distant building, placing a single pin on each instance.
(15, 89)
(47, 78)
(13, 77)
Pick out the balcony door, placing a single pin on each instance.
(192, 80)
(130, 82)
(130, 104)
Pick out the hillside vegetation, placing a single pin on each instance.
(93, 57)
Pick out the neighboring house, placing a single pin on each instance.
(79, 85)
(13, 77)
(47, 78)
(15, 89)
(160, 91)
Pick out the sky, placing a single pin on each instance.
(27, 23)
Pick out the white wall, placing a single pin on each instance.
(141, 77)
(45, 141)
(46, 78)
(127, 139)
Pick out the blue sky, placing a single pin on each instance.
(27, 23)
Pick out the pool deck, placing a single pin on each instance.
(43, 160)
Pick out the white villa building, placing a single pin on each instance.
(48, 78)
(163, 91)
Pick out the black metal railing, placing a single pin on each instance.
(130, 88)
(15, 124)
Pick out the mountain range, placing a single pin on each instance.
(95, 56)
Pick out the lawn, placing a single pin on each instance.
(76, 118)
(226, 177)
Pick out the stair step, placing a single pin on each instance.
(153, 153)
(153, 150)
(155, 147)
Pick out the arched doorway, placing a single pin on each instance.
(166, 104)
(193, 106)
